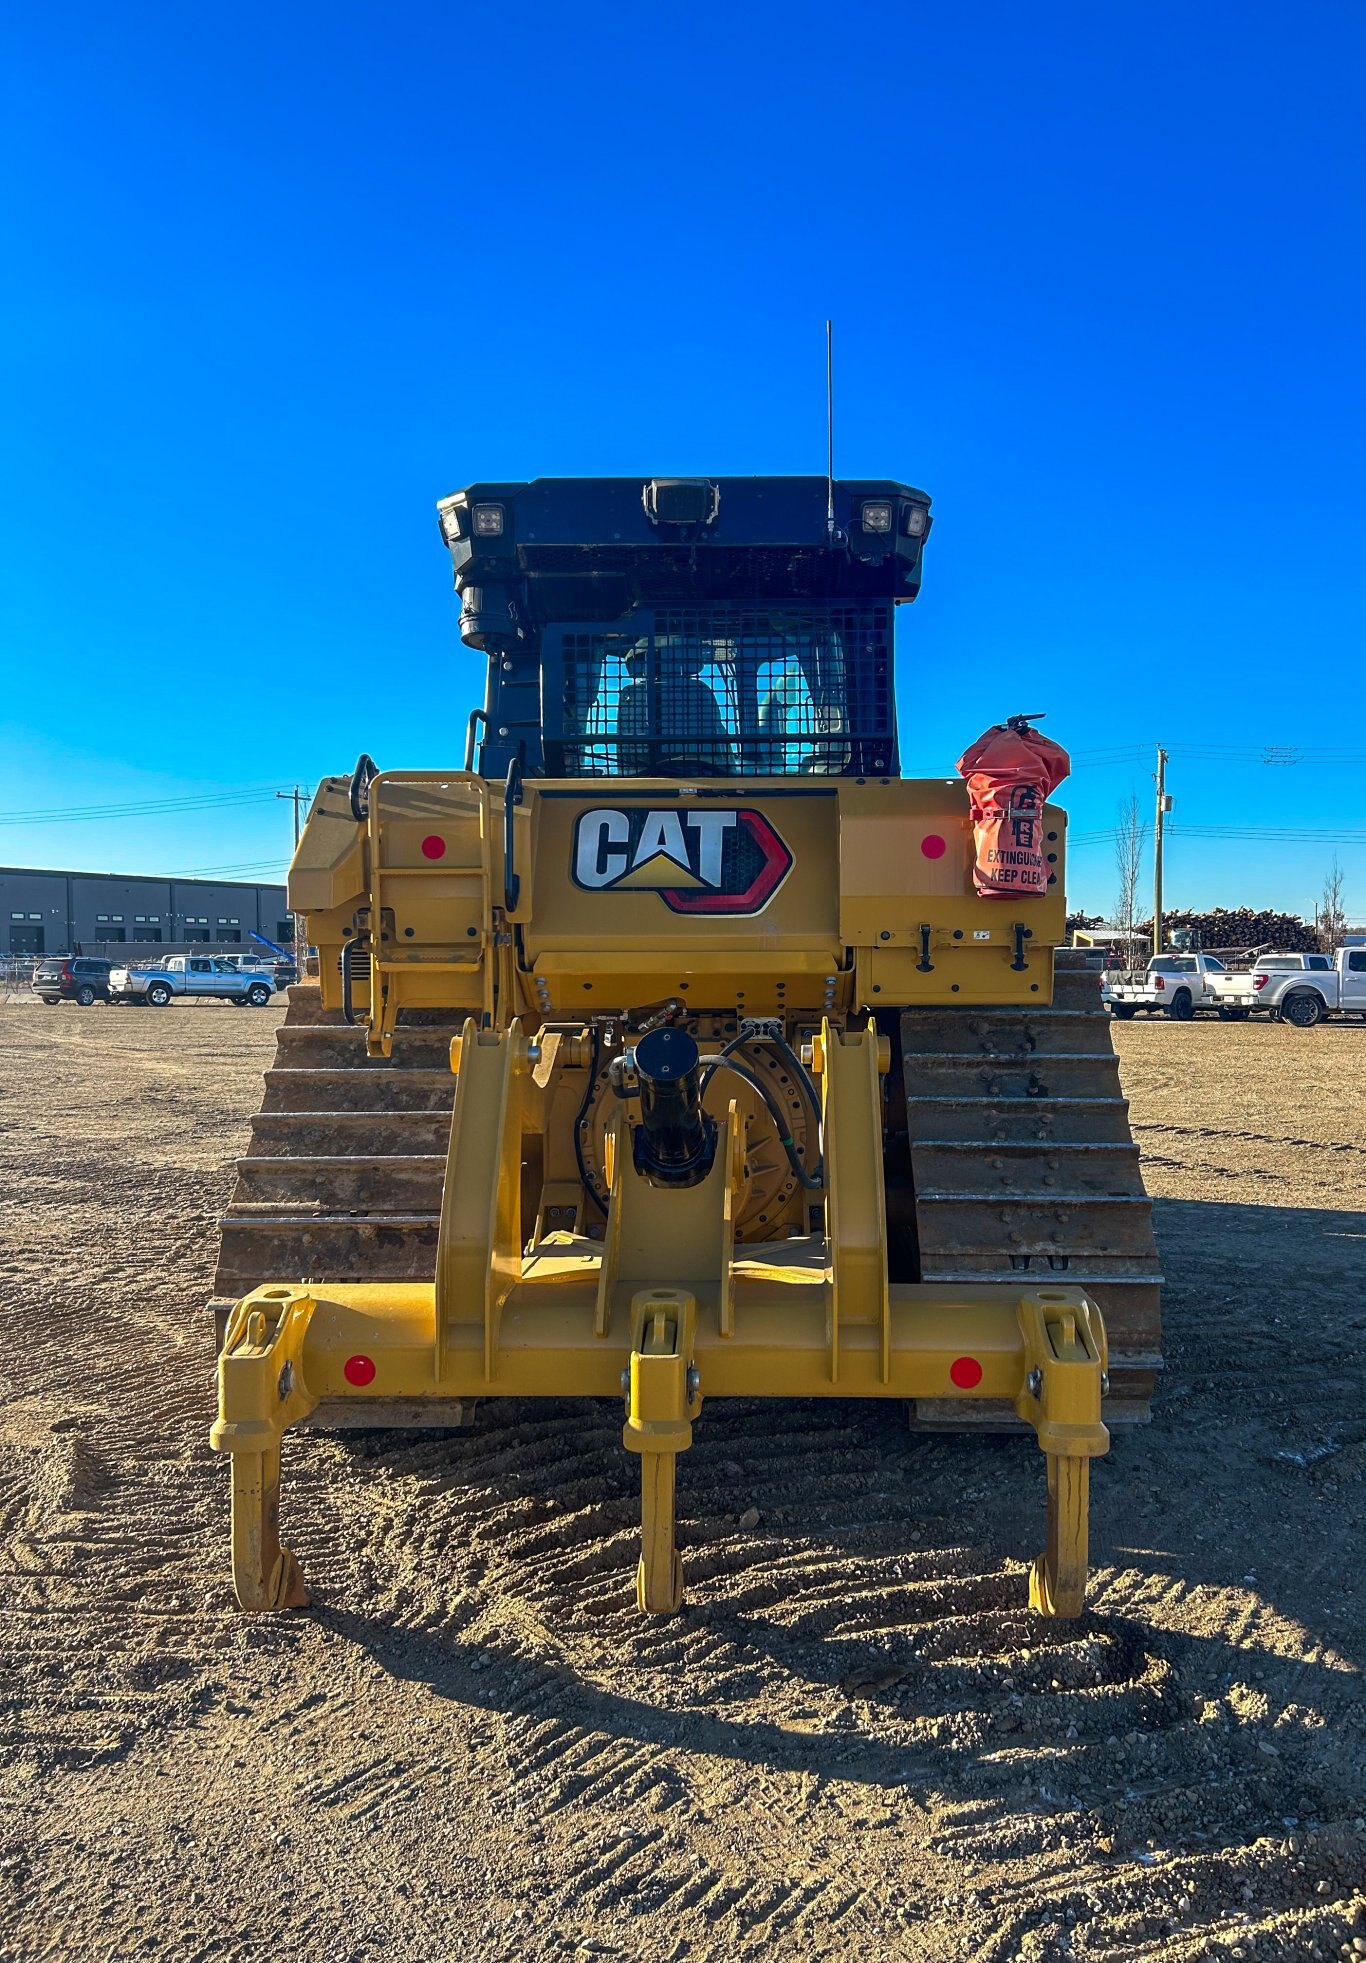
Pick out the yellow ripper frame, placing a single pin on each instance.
(664, 1310)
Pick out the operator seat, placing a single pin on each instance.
(691, 737)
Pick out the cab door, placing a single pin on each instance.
(199, 977)
(1353, 997)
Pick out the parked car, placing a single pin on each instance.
(193, 975)
(1175, 985)
(72, 978)
(281, 969)
(1299, 988)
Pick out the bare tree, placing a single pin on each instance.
(1129, 843)
(1332, 919)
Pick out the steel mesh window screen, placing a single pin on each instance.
(724, 692)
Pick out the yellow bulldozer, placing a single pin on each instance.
(673, 1049)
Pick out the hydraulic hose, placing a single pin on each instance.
(599, 1199)
(799, 1071)
(724, 1060)
(803, 1077)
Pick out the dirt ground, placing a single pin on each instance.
(854, 1742)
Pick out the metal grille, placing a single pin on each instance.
(726, 692)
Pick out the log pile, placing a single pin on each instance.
(1241, 928)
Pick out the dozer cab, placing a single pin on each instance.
(673, 1049)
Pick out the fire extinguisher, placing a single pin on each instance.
(1011, 771)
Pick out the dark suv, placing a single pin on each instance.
(72, 978)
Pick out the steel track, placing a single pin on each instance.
(1022, 1163)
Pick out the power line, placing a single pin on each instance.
(246, 866)
(1267, 834)
(146, 808)
(1276, 755)
(1268, 748)
(1305, 835)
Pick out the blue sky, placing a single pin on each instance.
(278, 278)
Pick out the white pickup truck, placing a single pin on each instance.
(1298, 988)
(193, 976)
(1174, 985)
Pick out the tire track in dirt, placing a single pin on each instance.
(874, 1646)
(107, 1503)
(854, 1742)
(1253, 1137)
(926, 1635)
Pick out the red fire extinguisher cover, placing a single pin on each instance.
(1011, 771)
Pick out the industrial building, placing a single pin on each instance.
(50, 912)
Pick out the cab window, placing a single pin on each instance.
(201, 967)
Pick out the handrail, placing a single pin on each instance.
(512, 797)
(362, 776)
(348, 950)
(476, 716)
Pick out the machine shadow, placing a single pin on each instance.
(1195, 1235)
(1159, 1701)
(1221, 1260)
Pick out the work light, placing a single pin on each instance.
(488, 521)
(877, 518)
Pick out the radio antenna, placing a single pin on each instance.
(829, 433)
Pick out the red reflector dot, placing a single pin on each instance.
(933, 846)
(361, 1370)
(433, 847)
(966, 1372)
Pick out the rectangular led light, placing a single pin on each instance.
(877, 518)
(488, 521)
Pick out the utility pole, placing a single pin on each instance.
(293, 797)
(300, 949)
(1164, 805)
